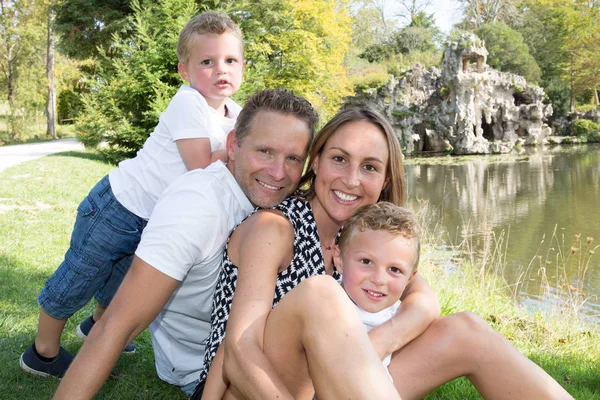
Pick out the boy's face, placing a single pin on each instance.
(214, 67)
(376, 266)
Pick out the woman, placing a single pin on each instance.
(313, 336)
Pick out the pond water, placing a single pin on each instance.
(535, 215)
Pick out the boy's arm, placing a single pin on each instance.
(219, 155)
(216, 384)
(419, 307)
(195, 153)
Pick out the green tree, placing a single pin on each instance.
(300, 45)
(21, 45)
(508, 52)
(135, 83)
(86, 26)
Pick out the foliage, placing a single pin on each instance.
(134, 85)
(404, 41)
(584, 127)
(564, 38)
(371, 77)
(297, 44)
(22, 60)
(481, 12)
(92, 126)
(86, 26)
(508, 52)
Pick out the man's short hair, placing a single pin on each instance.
(383, 216)
(211, 22)
(279, 100)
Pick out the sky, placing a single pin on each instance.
(447, 13)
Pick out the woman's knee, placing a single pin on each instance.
(466, 333)
(322, 297)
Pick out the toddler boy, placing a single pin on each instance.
(191, 134)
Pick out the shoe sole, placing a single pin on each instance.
(79, 333)
(83, 336)
(32, 371)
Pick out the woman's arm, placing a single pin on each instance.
(215, 385)
(259, 247)
(419, 308)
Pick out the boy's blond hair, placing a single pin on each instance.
(211, 22)
(383, 216)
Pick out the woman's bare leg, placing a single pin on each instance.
(315, 332)
(464, 344)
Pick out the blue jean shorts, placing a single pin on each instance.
(103, 242)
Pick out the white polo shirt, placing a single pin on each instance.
(184, 239)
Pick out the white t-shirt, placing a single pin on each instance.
(184, 239)
(371, 320)
(139, 181)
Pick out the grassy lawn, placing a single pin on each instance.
(38, 202)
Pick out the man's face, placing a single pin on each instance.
(268, 162)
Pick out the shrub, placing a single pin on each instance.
(91, 127)
(584, 128)
(372, 77)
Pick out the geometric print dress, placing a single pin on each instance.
(306, 262)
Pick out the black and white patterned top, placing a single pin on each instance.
(307, 262)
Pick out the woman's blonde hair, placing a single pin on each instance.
(394, 189)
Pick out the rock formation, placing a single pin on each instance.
(465, 107)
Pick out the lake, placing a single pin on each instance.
(538, 213)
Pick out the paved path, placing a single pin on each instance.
(12, 155)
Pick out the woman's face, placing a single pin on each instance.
(351, 169)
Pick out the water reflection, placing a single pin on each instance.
(534, 205)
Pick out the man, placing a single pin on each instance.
(176, 266)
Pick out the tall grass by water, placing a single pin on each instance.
(38, 202)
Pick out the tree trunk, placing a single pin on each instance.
(51, 99)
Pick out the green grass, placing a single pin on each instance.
(38, 202)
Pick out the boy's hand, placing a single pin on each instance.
(219, 155)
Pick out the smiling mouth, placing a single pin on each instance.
(374, 294)
(344, 196)
(261, 183)
(222, 82)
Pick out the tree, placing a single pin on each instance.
(508, 52)
(21, 32)
(563, 37)
(479, 12)
(134, 84)
(86, 26)
(299, 45)
(51, 99)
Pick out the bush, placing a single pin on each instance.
(372, 76)
(508, 51)
(584, 128)
(91, 127)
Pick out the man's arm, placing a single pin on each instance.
(141, 296)
(260, 246)
(419, 307)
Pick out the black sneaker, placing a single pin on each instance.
(83, 330)
(31, 364)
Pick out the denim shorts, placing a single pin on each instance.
(103, 242)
